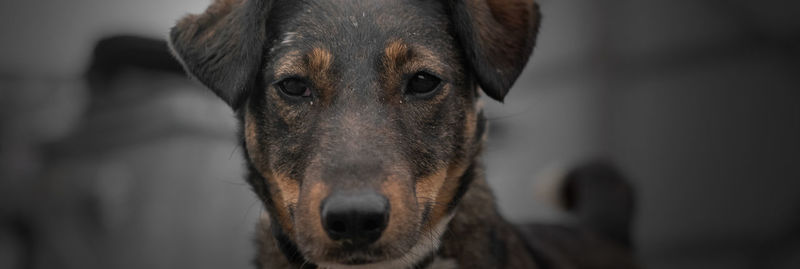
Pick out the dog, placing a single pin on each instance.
(362, 131)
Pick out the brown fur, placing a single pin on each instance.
(318, 68)
(399, 195)
(396, 55)
(503, 36)
(308, 217)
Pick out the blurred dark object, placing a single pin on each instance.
(601, 201)
(116, 54)
(122, 188)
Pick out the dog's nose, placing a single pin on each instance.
(355, 219)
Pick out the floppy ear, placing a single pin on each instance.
(222, 48)
(498, 36)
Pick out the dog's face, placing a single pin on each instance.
(357, 111)
(359, 117)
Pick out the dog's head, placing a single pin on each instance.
(359, 118)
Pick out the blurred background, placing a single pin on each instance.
(111, 158)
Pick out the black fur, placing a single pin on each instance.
(223, 49)
(498, 53)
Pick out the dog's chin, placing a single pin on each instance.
(372, 257)
(358, 261)
(355, 261)
(365, 262)
(389, 255)
(407, 258)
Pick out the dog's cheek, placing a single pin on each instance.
(441, 187)
(283, 190)
(287, 134)
(427, 192)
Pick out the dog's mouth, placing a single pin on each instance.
(358, 261)
(357, 257)
(382, 256)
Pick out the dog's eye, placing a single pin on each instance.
(423, 83)
(294, 87)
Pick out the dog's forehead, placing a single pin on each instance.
(350, 26)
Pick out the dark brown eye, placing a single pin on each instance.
(294, 87)
(423, 83)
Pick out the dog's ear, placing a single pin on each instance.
(498, 36)
(222, 48)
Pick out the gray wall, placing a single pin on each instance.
(696, 100)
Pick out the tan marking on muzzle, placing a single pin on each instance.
(448, 180)
(310, 213)
(445, 181)
(401, 216)
(428, 187)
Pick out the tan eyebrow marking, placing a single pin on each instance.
(315, 65)
(319, 60)
(397, 54)
(401, 57)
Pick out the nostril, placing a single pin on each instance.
(337, 226)
(357, 219)
(372, 225)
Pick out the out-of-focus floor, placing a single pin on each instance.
(697, 101)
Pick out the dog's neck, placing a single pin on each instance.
(476, 237)
(479, 237)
